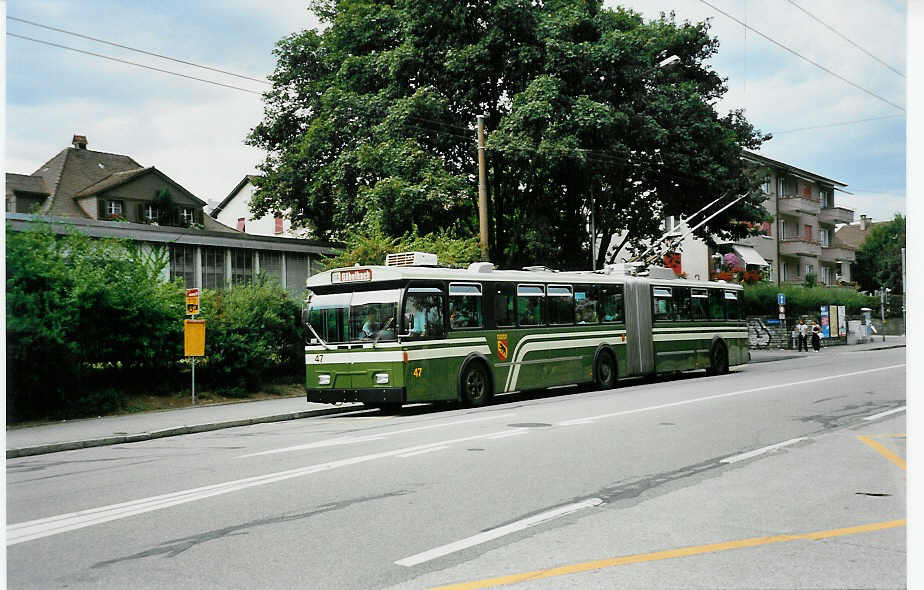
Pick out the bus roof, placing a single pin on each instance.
(366, 274)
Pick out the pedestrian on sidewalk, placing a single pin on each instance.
(816, 337)
(802, 330)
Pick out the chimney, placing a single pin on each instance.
(80, 142)
(864, 222)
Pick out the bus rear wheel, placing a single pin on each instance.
(476, 387)
(718, 360)
(605, 370)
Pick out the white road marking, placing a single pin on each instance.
(423, 451)
(761, 451)
(576, 422)
(380, 436)
(498, 532)
(721, 395)
(509, 434)
(886, 413)
(45, 527)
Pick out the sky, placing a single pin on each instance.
(194, 132)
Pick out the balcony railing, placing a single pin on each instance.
(835, 253)
(796, 204)
(835, 215)
(799, 246)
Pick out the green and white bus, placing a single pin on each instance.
(412, 332)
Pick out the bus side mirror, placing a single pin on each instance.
(305, 315)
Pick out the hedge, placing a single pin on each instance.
(760, 299)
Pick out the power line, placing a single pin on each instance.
(800, 56)
(188, 63)
(845, 38)
(131, 63)
(836, 124)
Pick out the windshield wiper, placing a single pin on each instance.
(382, 331)
(316, 335)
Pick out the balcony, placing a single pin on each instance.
(797, 205)
(799, 247)
(835, 253)
(834, 215)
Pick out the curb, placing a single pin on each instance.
(167, 432)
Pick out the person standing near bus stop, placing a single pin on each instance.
(802, 330)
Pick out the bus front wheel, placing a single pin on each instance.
(476, 387)
(605, 370)
(718, 360)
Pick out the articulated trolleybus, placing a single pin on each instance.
(411, 331)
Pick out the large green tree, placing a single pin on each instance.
(879, 258)
(370, 124)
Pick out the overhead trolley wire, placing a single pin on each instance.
(800, 56)
(845, 38)
(151, 53)
(131, 63)
(836, 124)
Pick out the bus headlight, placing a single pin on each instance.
(323, 379)
(381, 378)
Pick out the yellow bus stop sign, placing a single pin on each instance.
(194, 337)
(192, 301)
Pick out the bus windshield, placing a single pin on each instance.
(361, 316)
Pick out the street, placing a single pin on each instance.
(784, 474)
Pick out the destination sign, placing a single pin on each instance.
(351, 276)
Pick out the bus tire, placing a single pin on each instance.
(605, 370)
(718, 359)
(474, 384)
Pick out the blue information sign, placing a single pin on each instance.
(781, 298)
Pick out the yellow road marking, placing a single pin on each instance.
(900, 435)
(884, 452)
(670, 554)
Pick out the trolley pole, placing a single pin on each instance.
(482, 191)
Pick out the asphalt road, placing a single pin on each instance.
(787, 474)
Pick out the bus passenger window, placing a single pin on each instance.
(503, 305)
(716, 305)
(423, 313)
(465, 306)
(613, 303)
(585, 304)
(663, 304)
(529, 305)
(699, 304)
(732, 308)
(561, 305)
(681, 303)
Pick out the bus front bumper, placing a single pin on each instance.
(391, 395)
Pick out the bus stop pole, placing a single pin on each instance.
(193, 380)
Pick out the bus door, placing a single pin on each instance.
(430, 368)
(639, 346)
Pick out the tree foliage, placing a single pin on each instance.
(879, 258)
(371, 247)
(370, 124)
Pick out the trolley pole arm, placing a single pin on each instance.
(701, 223)
(666, 234)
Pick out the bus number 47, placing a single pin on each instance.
(417, 372)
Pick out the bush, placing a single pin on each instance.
(760, 299)
(252, 332)
(77, 306)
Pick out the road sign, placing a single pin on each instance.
(194, 337)
(781, 298)
(782, 316)
(192, 302)
(782, 309)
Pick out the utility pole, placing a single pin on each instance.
(482, 191)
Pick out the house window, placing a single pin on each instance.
(297, 270)
(114, 208)
(271, 265)
(188, 215)
(240, 224)
(765, 187)
(809, 269)
(824, 235)
(182, 263)
(213, 267)
(150, 212)
(826, 275)
(241, 266)
(278, 228)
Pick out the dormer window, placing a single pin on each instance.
(114, 208)
(150, 212)
(187, 215)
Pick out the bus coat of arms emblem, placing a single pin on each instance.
(502, 347)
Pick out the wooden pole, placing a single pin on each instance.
(482, 191)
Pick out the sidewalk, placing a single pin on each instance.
(112, 430)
